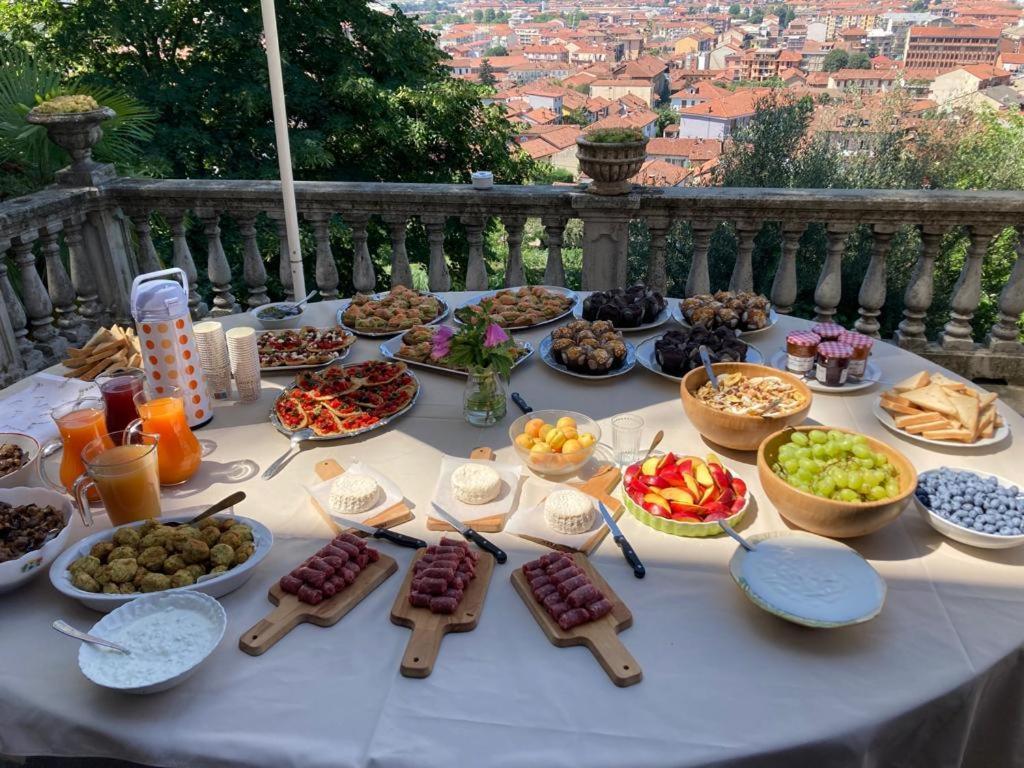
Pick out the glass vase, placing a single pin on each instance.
(484, 401)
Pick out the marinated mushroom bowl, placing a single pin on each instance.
(34, 528)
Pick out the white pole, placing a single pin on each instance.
(284, 152)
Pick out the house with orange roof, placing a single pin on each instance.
(646, 122)
(1011, 62)
(683, 152)
(929, 47)
(552, 144)
(863, 80)
(542, 116)
(546, 52)
(612, 89)
(721, 118)
(658, 173)
(543, 95)
(697, 93)
(950, 88)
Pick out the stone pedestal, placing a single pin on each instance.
(605, 238)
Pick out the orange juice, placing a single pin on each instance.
(126, 477)
(78, 423)
(179, 453)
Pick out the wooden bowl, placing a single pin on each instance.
(828, 517)
(741, 433)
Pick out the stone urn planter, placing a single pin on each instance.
(611, 158)
(76, 132)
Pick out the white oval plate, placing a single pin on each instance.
(872, 375)
(556, 289)
(215, 586)
(663, 317)
(385, 334)
(964, 535)
(808, 579)
(645, 356)
(549, 360)
(773, 318)
(890, 423)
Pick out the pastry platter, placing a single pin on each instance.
(645, 355)
(337, 404)
(773, 318)
(564, 292)
(659, 320)
(549, 360)
(388, 332)
(390, 349)
(295, 349)
(872, 375)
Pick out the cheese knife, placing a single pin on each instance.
(471, 535)
(383, 533)
(627, 549)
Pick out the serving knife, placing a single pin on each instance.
(383, 533)
(627, 549)
(523, 405)
(471, 535)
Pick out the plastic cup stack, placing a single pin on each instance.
(245, 362)
(213, 356)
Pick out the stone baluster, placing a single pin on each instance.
(957, 333)
(829, 290)
(1005, 334)
(31, 357)
(657, 276)
(401, 270)
(326, 269)
(515, 274)
(917, 297)
(58, 284)
(284, 268)
(698, 280)
(254, 272)
(363, 277)
(438, 276)
(554, 270)
(217, 266)
(147, 257)
(12, 366)
(182, 259)
(82, 278)
(872, 289)
(37, 302)
(784, 285)
(476, 268)
(742, 278)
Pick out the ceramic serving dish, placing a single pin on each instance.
(275, 324)
(14, 573)
(28, 473)
(678, 527)
(969, 536)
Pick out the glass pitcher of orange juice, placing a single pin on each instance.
(79, 422)
(125, 475)
(162, 413)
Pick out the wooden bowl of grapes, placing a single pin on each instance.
(834, 482)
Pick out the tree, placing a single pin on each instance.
(757, 16)
(858, 60)
(478, 15)
(734, 9)
(835, 60)
(666, 117)
(496, 50)
(546, 173)
(872, 50)
(489, 15)
(487, 74)
(576, 117)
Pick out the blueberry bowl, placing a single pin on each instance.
(974, 508)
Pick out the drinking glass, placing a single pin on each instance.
(119, 393)
(125, 475)
(78, 422)
(626, 431)
(163, 414)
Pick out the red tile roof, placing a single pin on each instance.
(948, 32)
(658, 173)
(863, 74)
(696, 150)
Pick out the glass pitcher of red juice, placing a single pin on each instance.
(119, 391)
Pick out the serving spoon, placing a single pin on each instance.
(297, 438)
(66, 629)
(658, 437)
(706, 359)
(298, 305)
(228, 501)
(739, 539)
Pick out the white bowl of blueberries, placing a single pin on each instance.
(974, 508)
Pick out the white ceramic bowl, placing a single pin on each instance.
(215, 586)
(293, 321)
(204, 605)
(28, 473)
(14, 573)
(969, 536)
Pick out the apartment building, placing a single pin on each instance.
(945, 47)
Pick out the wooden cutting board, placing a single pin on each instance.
(429, 628)
(600, 636)
(600, 487)
(290, 611)
(328, 469)
(491, 524)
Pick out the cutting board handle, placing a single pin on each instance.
(422, 651)
(615, 658)
(268, 631)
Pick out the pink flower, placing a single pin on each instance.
(441, 344)
(495, 335)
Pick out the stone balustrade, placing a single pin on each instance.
(75, 250)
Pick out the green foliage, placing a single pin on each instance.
(734, 9)
(666, 117)
(614, 135)
(757, 16)
(989, 155)
(546, 173)
(496, 50)
(487, 77)
(858, 60)
(835, 60)
(576, 117)
(474, 345)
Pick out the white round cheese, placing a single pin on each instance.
(569, 511)
(475, 483)
(353, 493)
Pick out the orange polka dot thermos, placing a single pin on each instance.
(160, 309)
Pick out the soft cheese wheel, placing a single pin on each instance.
(569, 511)
(353, 493)
(475, 483)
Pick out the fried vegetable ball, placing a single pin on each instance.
(140, 574)
(208, 522)
(226, 523)
(111, 588)
(196, 570)
(244, 531)
(87, 564)
(218, 570)
(101, 549)
(195, 551)
(122, 570)
(155, 582)
(102, 576)
(222, 554)
(231, 538)
(173, 564)
(152, 558)
(82, 580)
(182, 578)
(127, 588)
(244, 552)
(121, 553)
(210, 534)
(127, 537)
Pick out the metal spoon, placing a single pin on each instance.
(706, 359)
(298, 305)
(658, 437)
(66, 629)
(297, 438)
(739, 539)
(228, 501)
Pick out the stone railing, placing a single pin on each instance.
(106, 233)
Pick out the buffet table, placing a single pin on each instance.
(935, 680)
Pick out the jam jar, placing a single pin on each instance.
(833, 363)
(801, 350)
(828, 331)
(861, 346)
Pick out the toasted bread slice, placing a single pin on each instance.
(967, 411)
(924, 426)
(895, 397)
(961, 435)
(931, 398)
(988, 431)
(987, 398)
(948, 383)
(894, 406)
(920, 417)
(917, 381)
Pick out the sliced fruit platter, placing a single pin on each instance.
(345, 400)
(389, 313)
(305, 347)
(684, 495)
(415, 345)
(518, 308)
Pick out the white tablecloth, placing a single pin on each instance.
(935, 680)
